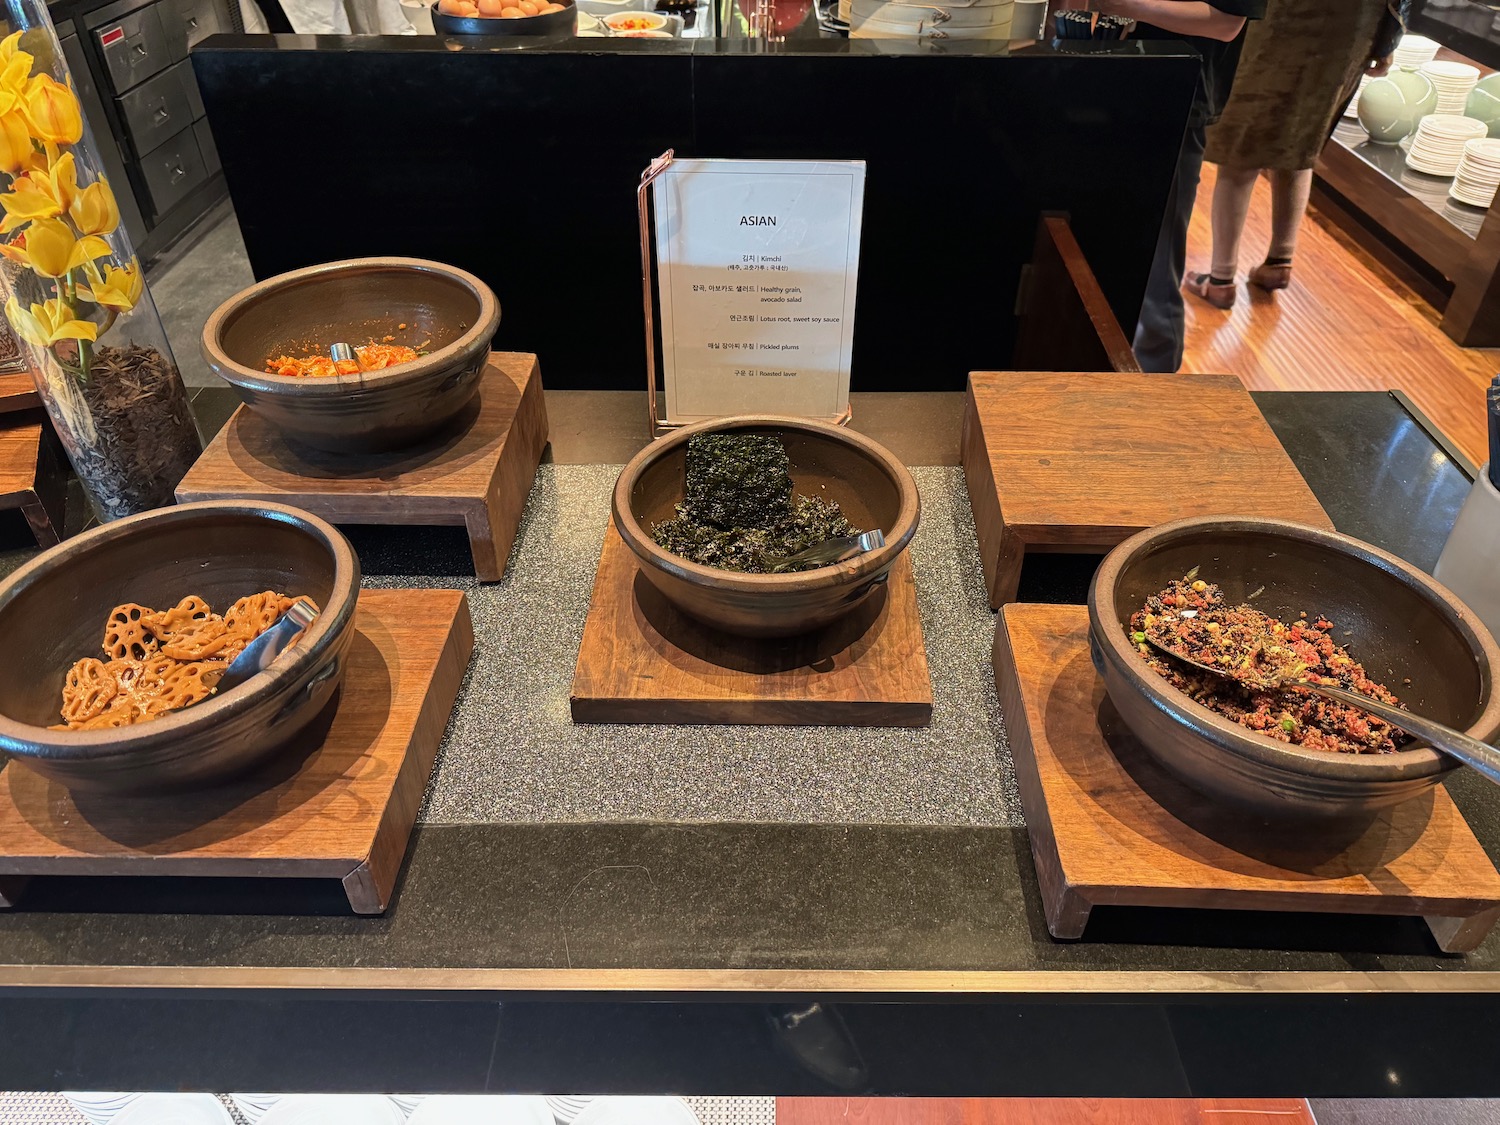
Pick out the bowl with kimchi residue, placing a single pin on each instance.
(271, 343)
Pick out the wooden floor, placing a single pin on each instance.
(1040, 1111)
(1345, 324)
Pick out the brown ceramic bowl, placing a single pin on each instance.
(448, 313)
(871, 486)
(53, 611)
(1401, 624)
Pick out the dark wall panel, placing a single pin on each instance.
(521, 165)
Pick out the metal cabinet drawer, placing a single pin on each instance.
(206, 147)
(158, 109)
(201, 18)
(135, 47)
(172, 170)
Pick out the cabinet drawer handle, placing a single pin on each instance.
(162, 113)
(192, 23)
(140, 49)
(178, 172)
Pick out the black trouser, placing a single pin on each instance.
(1158, 336)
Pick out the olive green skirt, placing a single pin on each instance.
(1300, 65)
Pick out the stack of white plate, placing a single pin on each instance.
(481, 1109)
(174, 1109)
(99, 1106)
(333, 1109)
(1414, 52)
(566, 1109)
(1439, 144)
(1352, 109)
(637, 1111)
(1478, 173)
(1454, 82)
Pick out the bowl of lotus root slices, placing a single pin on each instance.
(116, 641)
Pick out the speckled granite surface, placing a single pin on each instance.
(513, 755)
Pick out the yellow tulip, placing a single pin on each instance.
(41, 195)
(53, 111)
(15, 69)
(15, 143)
(48, 323)
(95, 210)
(10, 47)
(51, 250)
(117, 289)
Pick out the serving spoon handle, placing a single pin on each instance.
(1470, 751)
(1455, 743)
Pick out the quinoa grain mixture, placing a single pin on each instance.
(1191, 617)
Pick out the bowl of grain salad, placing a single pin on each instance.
(1262, 598)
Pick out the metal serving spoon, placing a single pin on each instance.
(829, 551)
(1456, 744)
(262, 652)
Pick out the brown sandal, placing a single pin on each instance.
(1270, 277)
(1219, 294)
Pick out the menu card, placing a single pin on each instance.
(757, 265)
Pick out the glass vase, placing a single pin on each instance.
(75, 294)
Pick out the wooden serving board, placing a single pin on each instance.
(476, 473)
(1110, 827)
(31, 474)
(641, 661)
(340, 807)
(1081, 462)
(17, 390)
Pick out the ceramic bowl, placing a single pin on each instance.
(55, 608)
(449, 313)
(553, 23)
(873, 488)
(621, 23)
(1401, 625)
(1391, 107)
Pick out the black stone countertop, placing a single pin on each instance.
(1159, 1002)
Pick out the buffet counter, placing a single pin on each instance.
(749, 909)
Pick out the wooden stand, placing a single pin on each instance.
(1081, 462)
(341, 807)
(31, 475)
(17, 389)
(476, 474)
(1110, 827)
(641, 661)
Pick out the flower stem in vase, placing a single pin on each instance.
(75, 293)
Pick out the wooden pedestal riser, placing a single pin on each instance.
(341, 806)
(1081, 462)
(641, 661)
(476, 474)
(1109, 826)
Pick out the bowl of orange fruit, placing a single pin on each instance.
(503, 17)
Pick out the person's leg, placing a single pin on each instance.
(1159, 334)
(1233, 188)
(1232, 192)
(1289, 194)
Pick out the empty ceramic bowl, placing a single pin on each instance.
(1391, 107)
